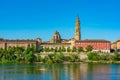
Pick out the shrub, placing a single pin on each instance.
(30, 58)
(93, 56)
(74, 58)
(58, 58)
(102, 57)
(89, 48)
(45, 59)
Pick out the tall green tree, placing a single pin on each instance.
(59, 49)
(52, 49)
(80, 49)
(41, 49)
(68, 49)
(74, 49)
(89, 48)
(56, 49)
(63, 49)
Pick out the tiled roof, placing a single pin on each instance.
(118, 41)
(17, 40)
(55, 43)
(93, 41)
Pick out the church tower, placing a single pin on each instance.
(77, 29)
(56, 38)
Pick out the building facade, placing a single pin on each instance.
(116, 45)
(21, 43)
(54, 45)
(97, 45)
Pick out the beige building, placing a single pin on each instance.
(115, 45)
(54, 45)
(21, 43)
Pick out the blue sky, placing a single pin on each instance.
(30, 19)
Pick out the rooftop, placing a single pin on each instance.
(87, 40)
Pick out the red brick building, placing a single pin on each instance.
(97, 45)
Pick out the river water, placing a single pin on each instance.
(79, 71)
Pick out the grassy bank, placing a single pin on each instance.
(102, 62)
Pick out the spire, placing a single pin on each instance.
(77, 19)
(77, 29)
(56, 32)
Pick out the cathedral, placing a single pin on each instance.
(57, 37)
(57, 41)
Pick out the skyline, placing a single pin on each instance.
(33, 19)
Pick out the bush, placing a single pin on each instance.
(74, 58)
(30, 58)
(93, 56)
(117, 56)
(51, 56)
(67, 58)
(112, 58)
(102, 57)
(38, 58)
(58, 58)
(49, 61)
(89, 48)
(45, 59)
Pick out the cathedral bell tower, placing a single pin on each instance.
(77, 30)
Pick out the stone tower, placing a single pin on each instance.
(77, 29)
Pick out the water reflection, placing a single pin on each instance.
(60, 72)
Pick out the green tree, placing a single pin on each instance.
(112, 57)
(47, 49)
(74, 58)
(102, 57)
(60, 49)
(117, 56)
(68, 49)
(80, 49)
(19, 56)
(56, 49)
(93, 56)
(74, 49)
(41, 49)
(38, 58)
(51, 56)
(45, 59)
(89, 48)
(63, 49)
(30, 58)
(52, 50)
(58, 58)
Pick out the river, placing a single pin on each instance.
(78, 71)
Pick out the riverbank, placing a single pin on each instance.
(102, 62)
(86, 61)
(68, 62)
